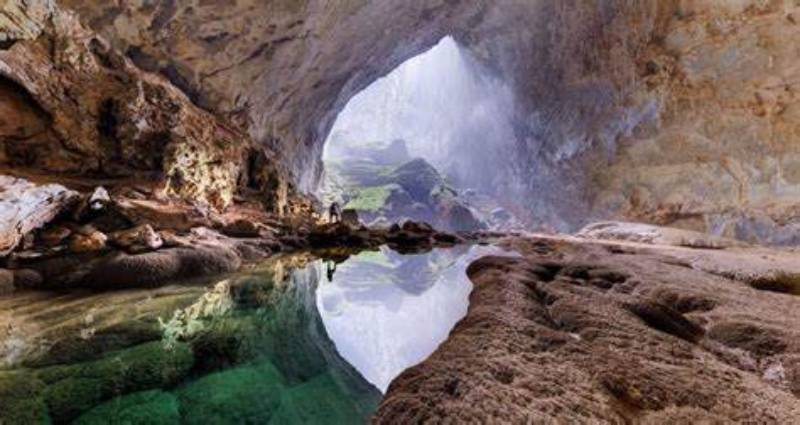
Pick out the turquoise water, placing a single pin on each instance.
(295, 340)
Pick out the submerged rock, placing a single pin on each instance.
(72, 390)
(248, 394)
(154, 407)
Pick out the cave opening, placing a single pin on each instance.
(430, 141)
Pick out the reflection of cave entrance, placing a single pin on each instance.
(430, 142)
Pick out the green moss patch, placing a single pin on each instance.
(154, 407)
(316, 401)
(75, 389)
(245, 395)
(21, 400)
(370, 198)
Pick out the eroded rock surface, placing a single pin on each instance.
(72, 104)
(25, 206)
(673, 112)
(611, 332)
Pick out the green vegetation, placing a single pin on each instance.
(371, 198)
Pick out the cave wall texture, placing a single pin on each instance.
(679, 112)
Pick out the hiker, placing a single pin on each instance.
(335, 213)
(331, 268)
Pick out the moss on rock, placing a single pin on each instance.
(154, 407)
(21, 399)
(316, 401)
(75, 389)
(243, 395)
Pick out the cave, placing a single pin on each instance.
(311, 211)
(430, 141)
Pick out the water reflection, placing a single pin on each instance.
(289, 341)
(386, 312)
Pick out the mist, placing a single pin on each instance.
(447, 110)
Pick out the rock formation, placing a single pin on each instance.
(614, 332)
(674, 112)
(73, 105)
(162, 140)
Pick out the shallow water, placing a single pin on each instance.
(294, 340)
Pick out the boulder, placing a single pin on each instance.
(243, 228)
(99, 199)
(91, 241)
(350, 217)
(138, 239)
(25, 206)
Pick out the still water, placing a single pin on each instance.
(294, 340)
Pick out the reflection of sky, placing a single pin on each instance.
(386, 312)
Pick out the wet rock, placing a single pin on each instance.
(243, 228)
(121, 270)
(87, 240)
(138, 239)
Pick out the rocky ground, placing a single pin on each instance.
(59, 238)
(582, 330)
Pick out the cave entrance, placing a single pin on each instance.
(430, 141)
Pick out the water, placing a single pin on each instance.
(294, 340)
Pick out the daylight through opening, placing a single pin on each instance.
(431, 141)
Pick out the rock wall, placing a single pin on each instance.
(676, 112)
(72, 105)
(722, 153)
